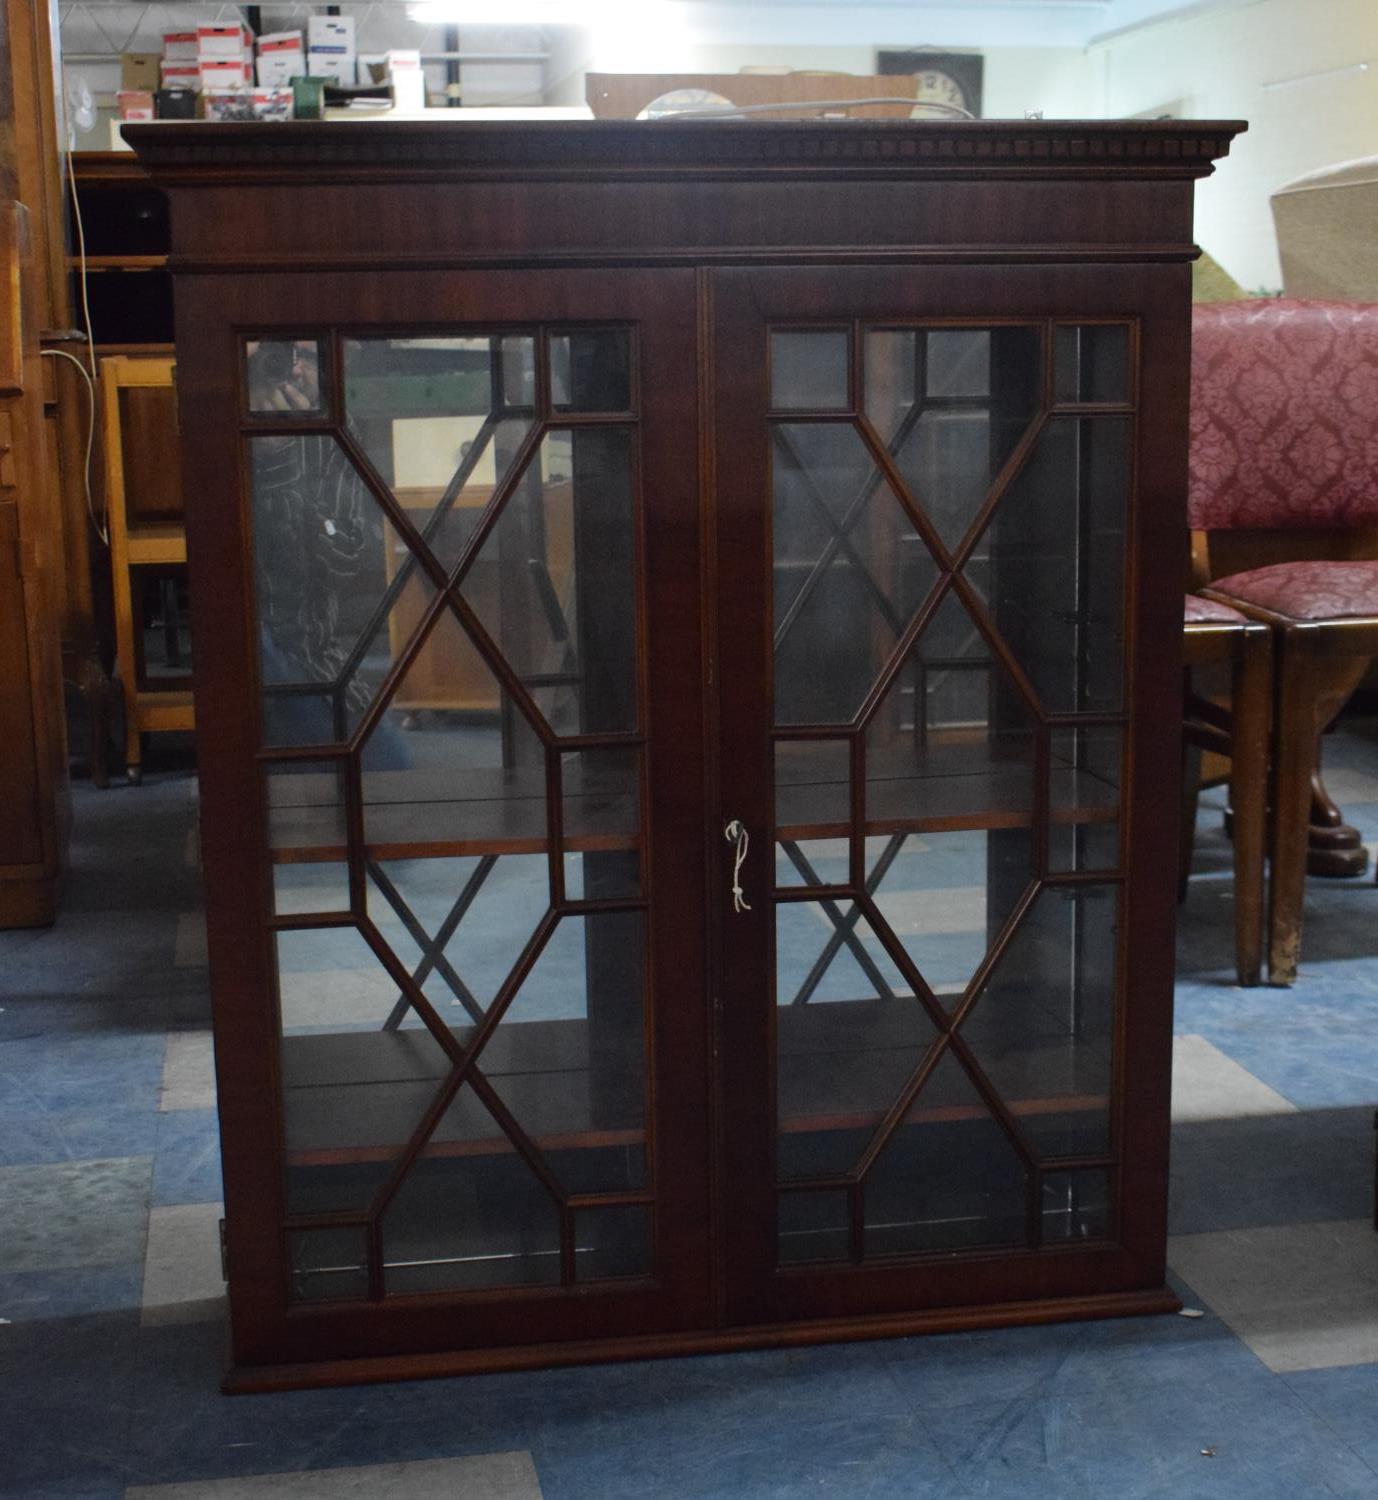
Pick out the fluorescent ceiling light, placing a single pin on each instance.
(1285, 83)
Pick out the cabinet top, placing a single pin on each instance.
(190, 152)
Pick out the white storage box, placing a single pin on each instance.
(185, 75)
(281, 58)
(227, 42)
(330, 33)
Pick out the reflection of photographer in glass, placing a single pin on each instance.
(318, 550)
(284, 377)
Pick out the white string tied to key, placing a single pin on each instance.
(735, 833)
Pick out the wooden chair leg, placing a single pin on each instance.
(1191, 793)
(1252, 723)
(1294, 759)
(95, 688)
(133, 744)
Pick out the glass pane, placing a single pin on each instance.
(283, 377)
(812, 862)
(1043, 1027)
(459, 925)
(337, 595)
(328, 1264)
(308, 836)
(464, 1220)
(566, 1065)
(947, 896)
(1051, 564)
(590, 370)
(1076, 1205)
(602, 823)
(1091, 362)
(613, 1241)
(359, 1069)
(812, 786)
(949, 1179)
(1084, 795)
(310, 888)
(849, 1032)
(812, 811)
(953, 741)
(442, 420)
(452, 767)
(814, 1226)
(555, 582)
(808, 371)
(306, 810)
(849, 572)
(951, 404)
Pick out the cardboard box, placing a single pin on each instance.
(227, 104)
(248, 104)
(135, 104)
(228, 42)
(371, 68)
(330, 34)
(272, 104)
(281, 58)
(408, 81)
(227, 74)
(337, 67)
(400, 67)
(186, 75)
(179, 46)
(139, 70)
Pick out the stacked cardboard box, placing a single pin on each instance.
(330, 48)
(225, 56)
(281, 58)
(180, 67)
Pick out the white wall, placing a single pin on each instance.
(1215, 65)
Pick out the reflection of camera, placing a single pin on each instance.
(270, 364)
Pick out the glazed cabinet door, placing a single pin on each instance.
(949, 542)
(453, 826)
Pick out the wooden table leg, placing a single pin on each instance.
(1252, 724)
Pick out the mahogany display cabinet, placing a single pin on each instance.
(688, 629)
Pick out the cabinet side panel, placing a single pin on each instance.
(232, 842)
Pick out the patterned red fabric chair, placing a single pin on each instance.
(1284, 432)
(1214, 632)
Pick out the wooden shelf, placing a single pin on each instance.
(118, 263)
(356, 1096)
(941, 787)
(843, 1063)
(156, 544)
(163, 710)
(438, 814)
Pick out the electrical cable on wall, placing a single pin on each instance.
(102, 531)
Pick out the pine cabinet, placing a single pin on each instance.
(687, 626)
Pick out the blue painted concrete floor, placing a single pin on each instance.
(112, 1339)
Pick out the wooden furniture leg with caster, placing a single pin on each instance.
(1334, 850)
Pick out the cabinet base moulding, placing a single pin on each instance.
(260, 1379)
